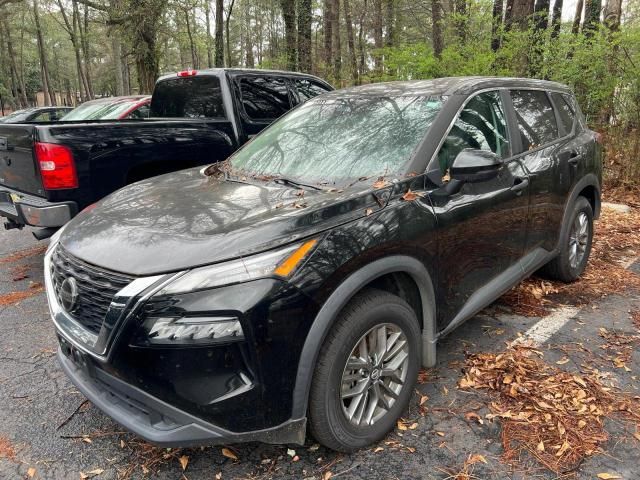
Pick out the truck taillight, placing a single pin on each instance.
(188, 73)
(57, 167)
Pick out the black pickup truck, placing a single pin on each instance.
(51, 171)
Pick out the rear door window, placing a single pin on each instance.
(536, 118)
(264, 98)
(188, 97)
(565, 112)
(307, 89)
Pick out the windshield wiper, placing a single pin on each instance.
(294, 183)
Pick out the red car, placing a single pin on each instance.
(112, 108)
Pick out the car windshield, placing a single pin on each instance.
(333, 140)
(100, 111)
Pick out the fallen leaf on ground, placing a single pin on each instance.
(184, 461)
(93, 473)
(476, 457)
(229, 454)
(31, 472)
(557, 415)
(608, 476)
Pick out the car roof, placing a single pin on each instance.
(122, 99)
(447, 86)
(238, 70)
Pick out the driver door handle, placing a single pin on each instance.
(520, 184)
(574, 158)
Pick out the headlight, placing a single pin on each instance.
(189, 331)
(53, 240)
(280, 263)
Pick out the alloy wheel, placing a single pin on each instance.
(578, 239)
(374, 374)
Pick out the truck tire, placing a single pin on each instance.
(575, 244)
(366, 372)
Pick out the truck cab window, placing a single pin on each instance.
(308, 89)
(264, 98)
(188, 97)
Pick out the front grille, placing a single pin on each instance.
(96, 287)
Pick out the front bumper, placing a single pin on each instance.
(157, 421)
(25, 209)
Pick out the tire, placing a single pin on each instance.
(369, 311)
(564, 267)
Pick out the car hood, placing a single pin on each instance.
(186, 219)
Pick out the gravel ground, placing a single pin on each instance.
(48, 430)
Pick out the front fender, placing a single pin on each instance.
(330, 309)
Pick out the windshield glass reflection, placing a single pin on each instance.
(332, 140)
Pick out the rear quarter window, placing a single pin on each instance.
(536, 118)
(566, 115)
(188, 97)
(307, 89)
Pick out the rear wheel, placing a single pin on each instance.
(575, 246)
(365, 373)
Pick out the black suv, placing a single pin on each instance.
(306, 279)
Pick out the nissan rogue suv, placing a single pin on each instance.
(303, 282)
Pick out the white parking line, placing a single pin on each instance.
(544, 329)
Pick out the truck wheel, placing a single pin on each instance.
(575, 246)
(365, 373)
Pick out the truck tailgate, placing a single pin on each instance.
(17, 165)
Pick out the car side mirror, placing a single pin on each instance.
(475, 166)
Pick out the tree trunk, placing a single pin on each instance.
(612, 14)
(207, 12)
(19, 93)
(521, 13)
(116, 48)
(337, 44)
(592, 15)
(351, 43)
(249, 37)
(575, 27)
(556, 19)
(126, 77)
(508, 14)
(290, 34)
(390, 39)
(496, 26)
(192, 47)
(436, 28)
(377, 35)
(362, 66)
(304, 35)
(229, 60)
(219, 41)
(84, 41)
(83, 73)
(461, 19)
(327, 25)
(541, 11)
(49, 94)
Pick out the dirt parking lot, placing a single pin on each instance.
(48, 429)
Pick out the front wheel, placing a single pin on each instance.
(365, 373)
(575, 246)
